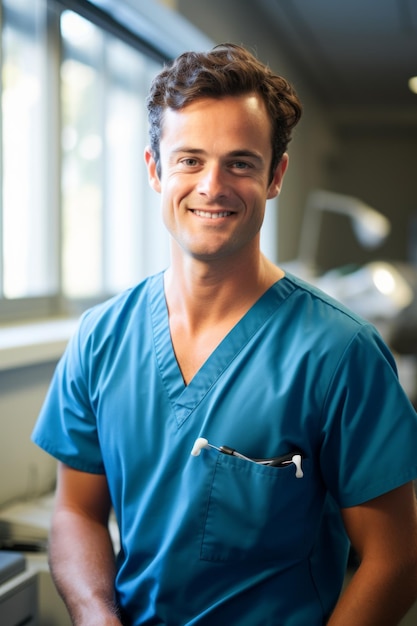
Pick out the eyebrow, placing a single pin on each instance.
(246, 153)
(234, 154)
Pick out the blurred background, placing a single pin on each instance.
(79, 223)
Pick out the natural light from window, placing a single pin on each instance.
(78, 220)
(25, 243)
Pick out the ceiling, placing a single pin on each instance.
(357, 55)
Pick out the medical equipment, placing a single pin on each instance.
(278, 461)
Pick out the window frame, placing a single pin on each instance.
(20, 308)
(145, 34)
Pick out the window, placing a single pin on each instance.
(107, 207)
(26, 246)
(77, 214)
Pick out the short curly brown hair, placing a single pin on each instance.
(226, 70)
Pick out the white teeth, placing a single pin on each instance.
(212, 215)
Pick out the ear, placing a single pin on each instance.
(153, 177)
(276, 183)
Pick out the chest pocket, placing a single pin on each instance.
(260, 513)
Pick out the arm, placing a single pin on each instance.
(80, 549)
(384, 533)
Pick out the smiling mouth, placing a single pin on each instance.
(211, 214)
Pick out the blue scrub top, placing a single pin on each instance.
(215, 539)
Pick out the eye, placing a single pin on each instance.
(241, 166)
(189, 162)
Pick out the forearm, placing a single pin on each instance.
(376, 596)
(83, 568)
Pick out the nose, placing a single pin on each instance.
(212, 183)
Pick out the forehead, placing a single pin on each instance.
(211, 119)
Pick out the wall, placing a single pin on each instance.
(25, 471)
(379, 164)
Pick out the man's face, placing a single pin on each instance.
(215, 168)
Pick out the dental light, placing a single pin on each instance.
(370, 227)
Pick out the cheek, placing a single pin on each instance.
(170, 201)
(175, 193)
(257, 212)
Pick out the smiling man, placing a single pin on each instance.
(244, 426)
(215, 164)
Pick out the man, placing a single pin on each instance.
(236, 419)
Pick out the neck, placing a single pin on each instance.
(206, 300)
(205, 293)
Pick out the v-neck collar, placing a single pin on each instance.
(185, 398)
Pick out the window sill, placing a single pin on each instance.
(32, 343)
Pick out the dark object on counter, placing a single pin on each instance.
(11, 564)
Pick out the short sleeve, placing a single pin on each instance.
(369, 425)
(66, 427)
